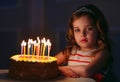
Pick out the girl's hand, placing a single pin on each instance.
(65, 70)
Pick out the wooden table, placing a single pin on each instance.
(5, 78)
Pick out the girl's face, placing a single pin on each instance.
(85, 32)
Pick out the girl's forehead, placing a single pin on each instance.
(83, 20)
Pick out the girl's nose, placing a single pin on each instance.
(83, 33)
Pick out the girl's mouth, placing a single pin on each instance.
(84, 40)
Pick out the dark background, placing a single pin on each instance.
(24, 19)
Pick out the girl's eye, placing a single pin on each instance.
(89, 28)
(76, 30)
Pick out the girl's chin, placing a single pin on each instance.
(84, 46)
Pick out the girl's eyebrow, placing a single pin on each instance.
(74, 27)
(85, 26)
(89, 25)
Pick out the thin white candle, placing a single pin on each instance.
(32, 47)
(22, 47)
(38, 39)
(49, 47)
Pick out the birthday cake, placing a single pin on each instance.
(33, 66)
(29, 67)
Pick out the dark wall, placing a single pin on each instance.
(14, 20)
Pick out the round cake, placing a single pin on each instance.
(33, 67)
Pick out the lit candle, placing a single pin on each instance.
(28, 47)
(38, 47)
(22, 47)
(49, 47)
(31, 46)
(34, 44)
(44, 46)
(38, 39)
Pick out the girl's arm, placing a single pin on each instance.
(65, 70)
(100, 61)
(61, 58)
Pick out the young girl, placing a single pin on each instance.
(88, 50)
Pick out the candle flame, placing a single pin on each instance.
(38, 39)
(48, 42)
(22, 44)
(36, 47)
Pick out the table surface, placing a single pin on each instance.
(5, 78)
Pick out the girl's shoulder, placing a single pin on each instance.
(104, 56)
(103, 52)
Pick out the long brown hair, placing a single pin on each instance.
(100, 22)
